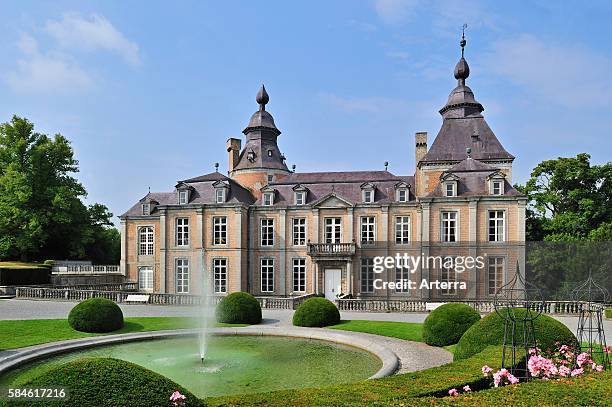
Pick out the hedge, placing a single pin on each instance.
(316, 312)
(239, 308)
(446, 324)
(96, 315)
(609, 313)
(490, 331)
(110, 382)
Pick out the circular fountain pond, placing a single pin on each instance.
(234, 364)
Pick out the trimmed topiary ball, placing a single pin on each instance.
(490, 331)
(316, 312)
(446, 324)
(109, 382)
(96, 315)
(239, 308)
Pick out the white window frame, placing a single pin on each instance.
(399, 193)
(219, 230)
(299, 274)
(266, 235)
(220, 274)
(268, 198)
(495, 264)
(453, 189)
(181, 275)
(220, 195)
(267, 274)
(146, 247)
(145, 283)
(367, 196)
(181, 234)
(300, 198)
(183, 197)
(367, 229)
(498, 222)
(333, 230)
(402, 229)
(448, 274)
(445, 236)
(298, 231)
(146, 209)
(366, 274)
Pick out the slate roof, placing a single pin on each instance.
(345, 185)
(202, 193)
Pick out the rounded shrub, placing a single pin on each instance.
(109, 382)
(96, 315)
(446, 324)
(609, 313)
(490, 331)
(317, 312)
(239, 308)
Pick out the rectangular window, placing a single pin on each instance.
(219, 230)
(145, 241)
(300, 198)
(402, 275)
(146, 209)
(333, 230)
(183, 197)
(447, 275)
(267, 232)
(299, 274)
(220, 195)
(268, 199)
(368, 196)
(367, 275)
(402, 229)
(497, 188)
(299, 231)
(267, 275)
(496, 226)
(368, 229)
(450, 189)
(145, 278)
(182, 231)
(496, 273)
(220, 275)
(449, 226)
(402, 195)
(182, 276)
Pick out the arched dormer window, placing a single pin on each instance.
(368, 191)
(300, 194)
(496, 183)
(449, 183)
(402, 192)
(221, 191)
(183, 192)
(267, 196)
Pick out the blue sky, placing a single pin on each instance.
(149, 91)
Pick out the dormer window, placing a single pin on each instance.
(402, 192)
(402, 195)
(251, 156)
(146, 209)
(269, 153)
(183, 197)
(300, 198)
(367, 192)
(450, 189)
(497, 187)
(220, 195)
(268, 198)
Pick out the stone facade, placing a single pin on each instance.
(274, 232)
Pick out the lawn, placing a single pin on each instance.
(17, 334)
(401, 330)
(21, 265)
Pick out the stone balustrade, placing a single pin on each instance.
(86, 269)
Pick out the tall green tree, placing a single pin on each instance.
(41, 210)
(569, 200)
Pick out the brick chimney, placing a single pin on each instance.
(420, 140)
(233, 148)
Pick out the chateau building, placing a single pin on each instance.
(272, 231)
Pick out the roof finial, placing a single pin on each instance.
(149, 189)
(463, 41)
(216, 167)
(386, 165)
(262, 97)
(468, 151)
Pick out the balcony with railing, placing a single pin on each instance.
(331, 249)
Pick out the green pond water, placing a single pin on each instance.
(234, 365)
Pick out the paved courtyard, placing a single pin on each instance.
(39, 309)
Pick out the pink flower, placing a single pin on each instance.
(599, 368)
(583, 358)
(467, 388)
(512, 379)
(563, 348)
(176, 396)
(453, 392)
(577, 372)
(486, 370)
(607, 349)
(564, 371)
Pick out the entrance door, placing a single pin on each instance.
(332, 283)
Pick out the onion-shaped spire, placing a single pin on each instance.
(262, 98)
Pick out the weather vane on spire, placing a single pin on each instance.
(463, 41)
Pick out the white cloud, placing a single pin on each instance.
(45, 72)
(565, 74)
(395, 11)
(91, 34)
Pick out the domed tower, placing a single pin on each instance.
(260, 162)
